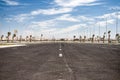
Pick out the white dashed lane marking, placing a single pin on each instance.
(66, 64)
(60, 55)
(61, 79)
(60, 49)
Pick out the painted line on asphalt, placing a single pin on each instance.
(66, 64)
(61, 79)
(60, 55)
(60, 49)
(11, 46)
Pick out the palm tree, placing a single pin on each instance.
(13, 37)
(2, 37)
(74, 38)
(117, 37)
(27, 38)
(15, 32)
(109, 36)
(41, 37)
(80, 38)
(93, 38)
(98, 39)
(20, 38)
(84, 38)
(30, 38)
(8, 37)
(104, 37)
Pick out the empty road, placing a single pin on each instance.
(60, 61)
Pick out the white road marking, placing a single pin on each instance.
(60, 55)
(66, 64)
(60, 49)
(7, 46)
(61, 79)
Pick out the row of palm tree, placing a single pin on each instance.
(92, 39)
(2, 36)
(8, 37)
(30, 37)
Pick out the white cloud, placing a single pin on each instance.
(49, 30)
(109, 15)
(103, 23)
(43, 24)
(56, 21)
(75, 3)
(54, 31)
(27, 33)
(51, 11)
(68, 17)
(66, 7)
(71, 28)
(93, 4)
(49, 27)
(85, 18)
(20, 18)
(11, 2)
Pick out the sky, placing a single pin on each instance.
(60, 18)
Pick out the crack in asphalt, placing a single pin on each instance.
(66, 64)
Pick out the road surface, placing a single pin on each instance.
(60, 61)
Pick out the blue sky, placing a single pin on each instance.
(59, 18)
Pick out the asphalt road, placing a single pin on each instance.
(76, 62)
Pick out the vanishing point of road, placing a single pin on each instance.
(60, 61)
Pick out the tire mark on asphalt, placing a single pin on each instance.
(97, 58)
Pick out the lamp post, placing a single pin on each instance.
(116, 13)
(106, 28)
(99, 29)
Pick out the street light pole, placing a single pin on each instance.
(106, 28)
(99, 29)
(90, 31)
(116, 12)
(9, 28)
(116, 22)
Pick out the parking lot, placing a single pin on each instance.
(78, 61)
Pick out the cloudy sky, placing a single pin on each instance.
(59, 18)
